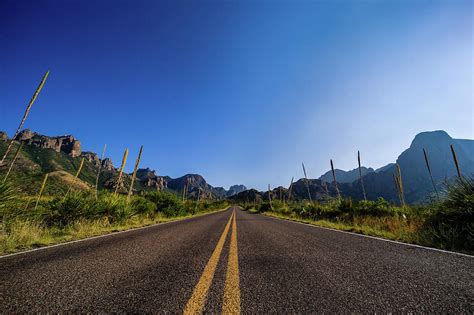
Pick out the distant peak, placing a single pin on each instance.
(429, 137)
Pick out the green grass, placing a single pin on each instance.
(79, 215)
(448, 224)
(402, 232)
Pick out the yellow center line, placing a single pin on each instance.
(231, 303)
(197, 301)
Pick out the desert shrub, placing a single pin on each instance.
(451, 223)
(264, 207)
(317, 211)
(62, 211)
(141, 205)
(379, 207)
(167, 203)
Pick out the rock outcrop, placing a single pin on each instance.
(148, 178)
(3, 136)
(235, 189)
(95, 160)
(67, 144)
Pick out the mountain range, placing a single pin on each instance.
(380, 183)
(60, 157)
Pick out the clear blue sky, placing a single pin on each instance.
(240, 92)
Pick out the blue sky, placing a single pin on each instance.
(240, 92)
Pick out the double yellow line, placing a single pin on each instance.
(231, 300)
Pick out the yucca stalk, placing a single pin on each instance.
(307, 183)
(98, 172)
(25, 115)
(119, 179)
(75, 177)
(360, 175)
(197, 202)
(289, 189)
(185, 189)
(270, 197)
(455, 161)
(397, 188)
(429, 171)
(400, 183)
(335, 181)
(134, 175)
(13, 161)
(41, 190)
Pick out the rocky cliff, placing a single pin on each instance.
(67, 144)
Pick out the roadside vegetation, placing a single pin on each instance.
(79, 215)
(447, 224)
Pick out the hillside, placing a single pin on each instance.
(60, 156)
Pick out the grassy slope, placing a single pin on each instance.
(33, 163)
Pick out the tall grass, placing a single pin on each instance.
(81, 214)
(451, 223)
(25, 115)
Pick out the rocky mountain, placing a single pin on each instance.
(60, 157)
(250, 195)
(384, 168)
(67, 144)
(346, 176)
(235, 189)
(148, 178)
(194, 185)
(380, 183)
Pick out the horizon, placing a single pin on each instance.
(233, 91)
(301, 176)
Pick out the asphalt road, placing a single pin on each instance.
(245, 263)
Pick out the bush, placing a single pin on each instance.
(451, 224)
(377, 208)
(62, 211)
(167, 203)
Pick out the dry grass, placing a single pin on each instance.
(26, 234)
(393, 228)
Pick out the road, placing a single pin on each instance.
(234, 261)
